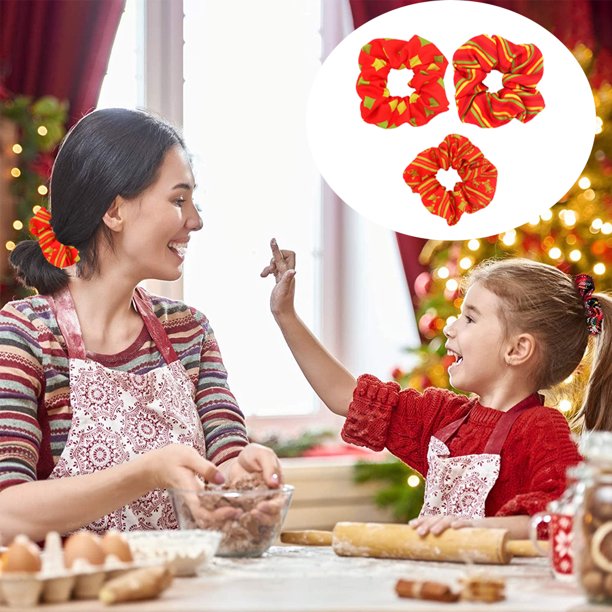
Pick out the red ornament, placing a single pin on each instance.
(42, 166)
(429, 325)
(422, 284)
(397, 374)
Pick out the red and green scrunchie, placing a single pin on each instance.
(428, 64)
(522, 67)
(473, 193)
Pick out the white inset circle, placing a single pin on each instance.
(537, 162)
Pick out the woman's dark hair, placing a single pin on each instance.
(108, 153)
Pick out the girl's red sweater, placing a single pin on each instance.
(534, 459)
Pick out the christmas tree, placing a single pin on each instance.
(575, 235)
(29, 134)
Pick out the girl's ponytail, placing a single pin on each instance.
(596, 411)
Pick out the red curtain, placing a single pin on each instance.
(572, 21)
(58, 47)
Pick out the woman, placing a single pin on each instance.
(109, 395)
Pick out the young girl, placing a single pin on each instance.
(108, 394)
(498, 457)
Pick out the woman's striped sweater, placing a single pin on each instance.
(35, 413)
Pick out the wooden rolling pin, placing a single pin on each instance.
(393, 541)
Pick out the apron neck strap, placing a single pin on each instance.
(68, 322)
(448, 431)
(502, 427)
(160, 337)
(498, 436)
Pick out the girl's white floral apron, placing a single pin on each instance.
(459, 486)
(117, 415)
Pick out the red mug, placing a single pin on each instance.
(561, 536)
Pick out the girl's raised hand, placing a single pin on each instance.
(282, 266)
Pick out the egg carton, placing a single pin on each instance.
(23, 589)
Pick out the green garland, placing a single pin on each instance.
(40, 127)
(404, 491)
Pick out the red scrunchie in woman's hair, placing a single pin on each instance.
(522, 67)
(478, 178)
(594, 313)
(428, 64)
(56, 253)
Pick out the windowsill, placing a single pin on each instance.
(325, 492)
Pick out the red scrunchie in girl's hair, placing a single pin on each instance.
(56, 253)
(594, 313)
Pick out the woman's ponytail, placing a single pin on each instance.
(33, 270)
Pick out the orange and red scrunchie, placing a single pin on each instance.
(56, 253)
(428, 64)
(522, 67)
(473, 193)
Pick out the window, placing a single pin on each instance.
(248, 68)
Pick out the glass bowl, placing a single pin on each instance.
(185, 551)
(249, 521)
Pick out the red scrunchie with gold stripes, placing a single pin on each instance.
(55, 252)
(428, 64)
(522, 67)
(478, 178)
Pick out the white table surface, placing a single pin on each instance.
(314, 579)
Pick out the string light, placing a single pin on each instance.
(569, 379)
(466, 263)
(42, 190)
(534, 220)
(42, 130)
(451, 320)
(35, 209)
(584, 182)
(571, 239)
(575, 255)
(598, 125)
(17, 149)
(596, 224)
(10, 245)
(509, 238)
(473, 244)
(589, 195)
(599, 269)
(15, 172)
(17, 224)
(452, 284)
(413, 480)
(443, 272)
(554, 253)
(565, 405)
(568, 217)
(606, 228)
(546, 215)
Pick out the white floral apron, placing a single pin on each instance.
(118, 415)
(459, 486)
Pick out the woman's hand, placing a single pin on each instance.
(255, 458)
(177, 466)
(282, 265)
(439, 523)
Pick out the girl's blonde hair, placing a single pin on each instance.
(543, 301)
